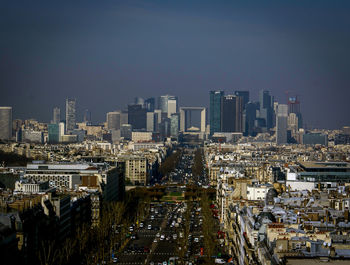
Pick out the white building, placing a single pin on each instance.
(257, 192)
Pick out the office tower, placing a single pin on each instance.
(87, 116)
(244, 95)
(231, 113)
(150, 104)
(126, 131)
(123, 117)
(165, 128)
(62, 130)
(54, 133)
(281, 124)
(139, 101)
(151, 121)
(70, 114)
(5, 123)
(174, 125)
(266, 108)
(215, 111)
(294, 107)
(249, 117)
(168, 104)
(113, 120)
(56, 118)
(137, 117)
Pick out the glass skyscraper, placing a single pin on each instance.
(215, 111)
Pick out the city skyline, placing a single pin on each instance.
(106, 54)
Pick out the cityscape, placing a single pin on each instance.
(213, 174)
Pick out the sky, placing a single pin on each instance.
(105, 53)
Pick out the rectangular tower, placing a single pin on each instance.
(5, 123)
(215, 111)
(70, 114)
(281, 124)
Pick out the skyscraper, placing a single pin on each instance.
(70, 114)
(56, 118)
(113, 120)
(249, 117)
(168, 104)
(137, 117)
(266, 108)
(244, 95)
(294, 107)
(87, 116)
(281, 124)
(53, 133)
(215, 111)
(5, 123)
(174, 124)
(231, 113)
(150, 104)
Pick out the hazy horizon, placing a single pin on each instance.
(106, 53)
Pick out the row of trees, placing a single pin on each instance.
(171, 162)
(197, 167)
(94, 245)
(209, 235)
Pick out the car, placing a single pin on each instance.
(141, 225)
(131, 229)
(196, 239)
(155, 240)
(115, 260)
(157, 235)
(149, 227)
(165, 263)
(152, 217)
(219, 261)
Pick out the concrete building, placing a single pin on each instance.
(136, 168)
(281, 124)
(56, 117)
(185, 118)
(315, 138)
(113, 120)
(5, 123)
(32, 136)
(151, 121)
(70, 114)
(317, 175)
(62, 176)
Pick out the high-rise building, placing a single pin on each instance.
(70, 114)
(56, 118)
(126, 131)
(244, 95)
(139, 101)
(137, 117)
(266, 108)
(54, 133)
(87, 116)
(249, 117)
(294, 107)
(174, 124)
(215, 111)
(113, 120)
(168, 104)
(150, 104)
(281, 124)
(5, 123)
(124, 117)
(151, 120)
(231, 113)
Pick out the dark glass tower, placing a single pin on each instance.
(231, 113)
(215, 111)
(137, 117)
(244, 95)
